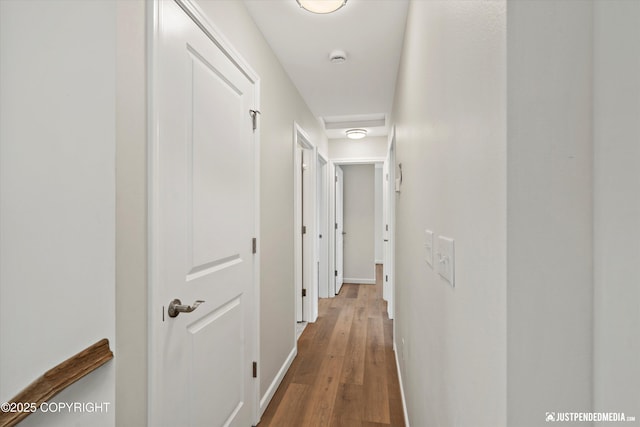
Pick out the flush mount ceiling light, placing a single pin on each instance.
(321, 6)
(356, 133)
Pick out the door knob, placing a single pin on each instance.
(176, 307)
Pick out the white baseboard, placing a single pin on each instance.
(359, 281)
(264, 401)
(404, 402)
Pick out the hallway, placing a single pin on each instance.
(352, 343)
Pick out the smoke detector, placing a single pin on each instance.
(338, 56)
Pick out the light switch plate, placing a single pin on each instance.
(446, 259)
(428, 247)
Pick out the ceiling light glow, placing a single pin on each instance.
(356, 133)
(321, 6)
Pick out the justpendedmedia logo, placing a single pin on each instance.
(587, 417)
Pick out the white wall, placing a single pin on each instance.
(450, 115)
(57, 189)
(617, 206)
(378, 225)
(131, 214)
(550, 292)
(281, 105)
(359, 224)
(370, 147)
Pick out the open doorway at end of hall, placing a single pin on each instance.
(359, 234)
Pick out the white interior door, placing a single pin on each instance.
(299, 280)
(308, 231)
(204, 221)
(322, 212)
(339, 229)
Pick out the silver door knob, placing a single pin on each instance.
(176, 307)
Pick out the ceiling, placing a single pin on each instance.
(355, 93)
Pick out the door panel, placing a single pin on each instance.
(204, 219)
(216, 171)
(219, 329)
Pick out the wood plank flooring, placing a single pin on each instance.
(345, 372)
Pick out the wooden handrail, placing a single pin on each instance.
(57, 379)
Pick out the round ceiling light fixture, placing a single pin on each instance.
(356, 133)
(321, 6)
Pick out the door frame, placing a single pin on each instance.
(323, 226)
(154, 314)
(332, 206)
(309, 305)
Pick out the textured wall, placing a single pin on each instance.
(450, 114)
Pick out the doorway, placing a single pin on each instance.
(323, 227)
(337, 221)
(305, 161)
(339, 230)
(389, 221)
(204, 221)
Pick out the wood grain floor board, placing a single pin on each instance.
(340, 336)
(376, 393)
(290, 411)
(322, 397)
(351, 291)
(353, 368)
(363, 296)
(349, 406)
(375, 352)
(345, 372)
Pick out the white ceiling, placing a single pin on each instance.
(358, 91)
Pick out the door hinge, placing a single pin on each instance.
(386, 227)
(304, 229)
(254, 245)
(336, 225)
(255, 369)
(254, 118)
(336, 271)
(386, 278)
(336, 178)
(304, 292)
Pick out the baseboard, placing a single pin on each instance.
(359, 281)
(264, 401)
(404, 401)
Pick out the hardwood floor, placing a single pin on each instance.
(345, 372)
